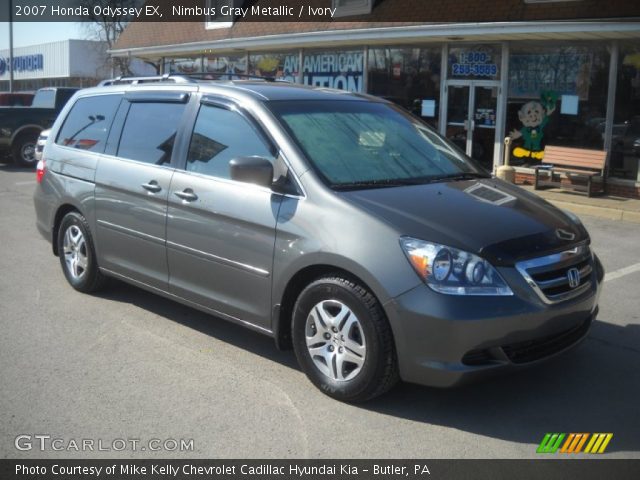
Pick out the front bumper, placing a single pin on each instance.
(444, 340)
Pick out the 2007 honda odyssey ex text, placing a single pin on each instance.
(334, 222)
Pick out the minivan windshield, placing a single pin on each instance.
(356, 144)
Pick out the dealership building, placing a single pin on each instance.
(472, 69)
(66, 63)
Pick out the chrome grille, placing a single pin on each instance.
(549, 275)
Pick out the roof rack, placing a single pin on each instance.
(136, 80)
(230, 76)
(185, 78)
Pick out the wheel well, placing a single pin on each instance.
(297, 283)
(29, 131)
(62, 211)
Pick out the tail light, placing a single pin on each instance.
(40, 169)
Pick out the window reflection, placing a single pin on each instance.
(87, 125)
(625, 141)
(149, 132)
(557, 96)
(409, 77)
(219, 136)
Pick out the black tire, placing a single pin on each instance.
(379, 370)
(23, 150)
(86, 278)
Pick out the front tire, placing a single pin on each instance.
(343, 341)
(77, 254)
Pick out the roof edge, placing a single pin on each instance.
(426, 31)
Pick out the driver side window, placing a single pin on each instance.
(219, 136)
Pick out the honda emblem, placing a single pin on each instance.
(573, 275)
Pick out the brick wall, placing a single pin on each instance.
(613, 188)
(626, 191)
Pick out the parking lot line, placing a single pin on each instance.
(622, 272)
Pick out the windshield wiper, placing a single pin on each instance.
(383, 183)
(458, 176)
(402, 182)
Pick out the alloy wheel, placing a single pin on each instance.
(75, 252)
(335, 340)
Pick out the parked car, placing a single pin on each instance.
(16, 99)
(42, 140)
(20, 126)
(335, 223)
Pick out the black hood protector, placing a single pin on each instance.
(499, 221)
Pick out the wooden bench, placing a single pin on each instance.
(570, 162)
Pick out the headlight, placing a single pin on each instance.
(452, 271)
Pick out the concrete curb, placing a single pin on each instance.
(602, 212)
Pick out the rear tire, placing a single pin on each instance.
(343, 341)
(23, 150)
(77, 254)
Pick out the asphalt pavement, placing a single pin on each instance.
(126, 365)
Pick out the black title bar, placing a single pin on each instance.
(408, 11)
(584, 469)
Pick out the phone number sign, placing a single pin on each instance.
(473, 64)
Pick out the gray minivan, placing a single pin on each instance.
(337, 223)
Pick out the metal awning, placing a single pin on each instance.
(392, 35)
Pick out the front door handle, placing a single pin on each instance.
(187, 195)
(152, 186)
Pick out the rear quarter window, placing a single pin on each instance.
(87, 124)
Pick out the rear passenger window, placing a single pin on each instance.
(87, 125)
(221, 135)
(149, 132)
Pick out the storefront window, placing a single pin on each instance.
(183, 65)
(409, 77)
(343, 70)
(474, 62)
(557, 96)
(225, 66)
(283, 66)
(625, 141)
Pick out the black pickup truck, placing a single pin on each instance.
(20, 126)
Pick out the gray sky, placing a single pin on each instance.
(33, 33)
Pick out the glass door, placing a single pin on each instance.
(483, 124)
(458, 116)
(471, 118)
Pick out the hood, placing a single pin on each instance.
(501, 222)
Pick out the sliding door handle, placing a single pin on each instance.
(187, 195)
(152, 186)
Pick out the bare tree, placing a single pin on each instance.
(109, 27)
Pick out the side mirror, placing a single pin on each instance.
(256, 170)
